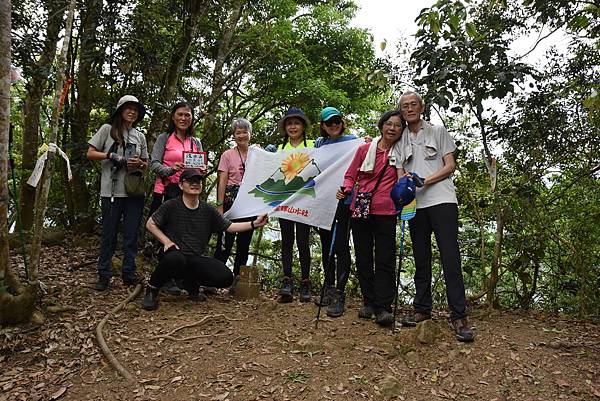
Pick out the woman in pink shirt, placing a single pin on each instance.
(374, 230)
(167, 153)
(232, 166)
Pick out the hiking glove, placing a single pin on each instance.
(118, 160)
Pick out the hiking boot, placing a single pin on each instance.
(463, 330)
(148, 251)
(210, 290)
(150, 301)
(102, 284)
(171, 288)
(366, 312)
(384, 318)
(286, 290)
(231, 290)
(413, 318)
(199, 297)
(132, 279)
(305, 290)
(327, 295)
(337, 305)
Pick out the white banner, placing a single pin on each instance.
(297, 185)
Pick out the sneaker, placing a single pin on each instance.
(150, 301)
(199, 297)
(171, 288)
(463, 330)
(366, 312)
(231, 290)
(286, 290)
(305, 290)
(102, 284)
(327, 295)
(132, 279)
(413, 318)
(336, 307)
(384, 318)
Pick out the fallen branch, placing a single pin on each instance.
(169, 335)
(102, 343)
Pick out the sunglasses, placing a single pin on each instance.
(333, 120)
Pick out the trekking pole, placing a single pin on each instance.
(333, 232)
(398, 275)
(408, 212)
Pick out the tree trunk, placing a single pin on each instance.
(44, 185)
(218, 81)
(194, 11)
(496, 260)
(31, 122)
(5, 28)
(89, 61)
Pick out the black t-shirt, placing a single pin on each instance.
(190, 229)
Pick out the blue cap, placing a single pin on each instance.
(329, 112)
(403, 192)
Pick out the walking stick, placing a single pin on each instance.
(408, 212)
(333, 232)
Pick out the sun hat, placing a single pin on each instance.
(329, 112)
(403, 192)
(293, 112)
(130, 99)
(190, 173)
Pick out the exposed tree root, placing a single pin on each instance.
(169, 335)
(100, 337)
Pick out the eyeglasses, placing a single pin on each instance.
(411, 105)
(391, 124)
(333, 120)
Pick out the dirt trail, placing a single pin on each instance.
(262, 350)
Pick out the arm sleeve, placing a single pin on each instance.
(218, 222)
(445, 142)
(352, 173)
(144, 146)
(99, 139)
(158, 151)
(161, 215)
(224, 162)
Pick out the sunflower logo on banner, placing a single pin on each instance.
(295, 176)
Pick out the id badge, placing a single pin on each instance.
(194, 159)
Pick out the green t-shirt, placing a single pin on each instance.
(288, 146)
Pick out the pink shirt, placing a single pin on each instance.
(381, 202)
(232, 163)
(173, 154)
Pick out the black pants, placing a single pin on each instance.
(242, 241)
(376, 236)
(442, 220)
(339, 266)
(195, 271)
(301, 235)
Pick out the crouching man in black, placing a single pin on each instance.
(184, 226)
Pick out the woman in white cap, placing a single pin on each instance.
(122, 150)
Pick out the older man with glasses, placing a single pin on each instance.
(428, 150)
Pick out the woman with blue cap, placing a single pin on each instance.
(122, 150)
(337, 270)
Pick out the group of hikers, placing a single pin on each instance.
(407, 147)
